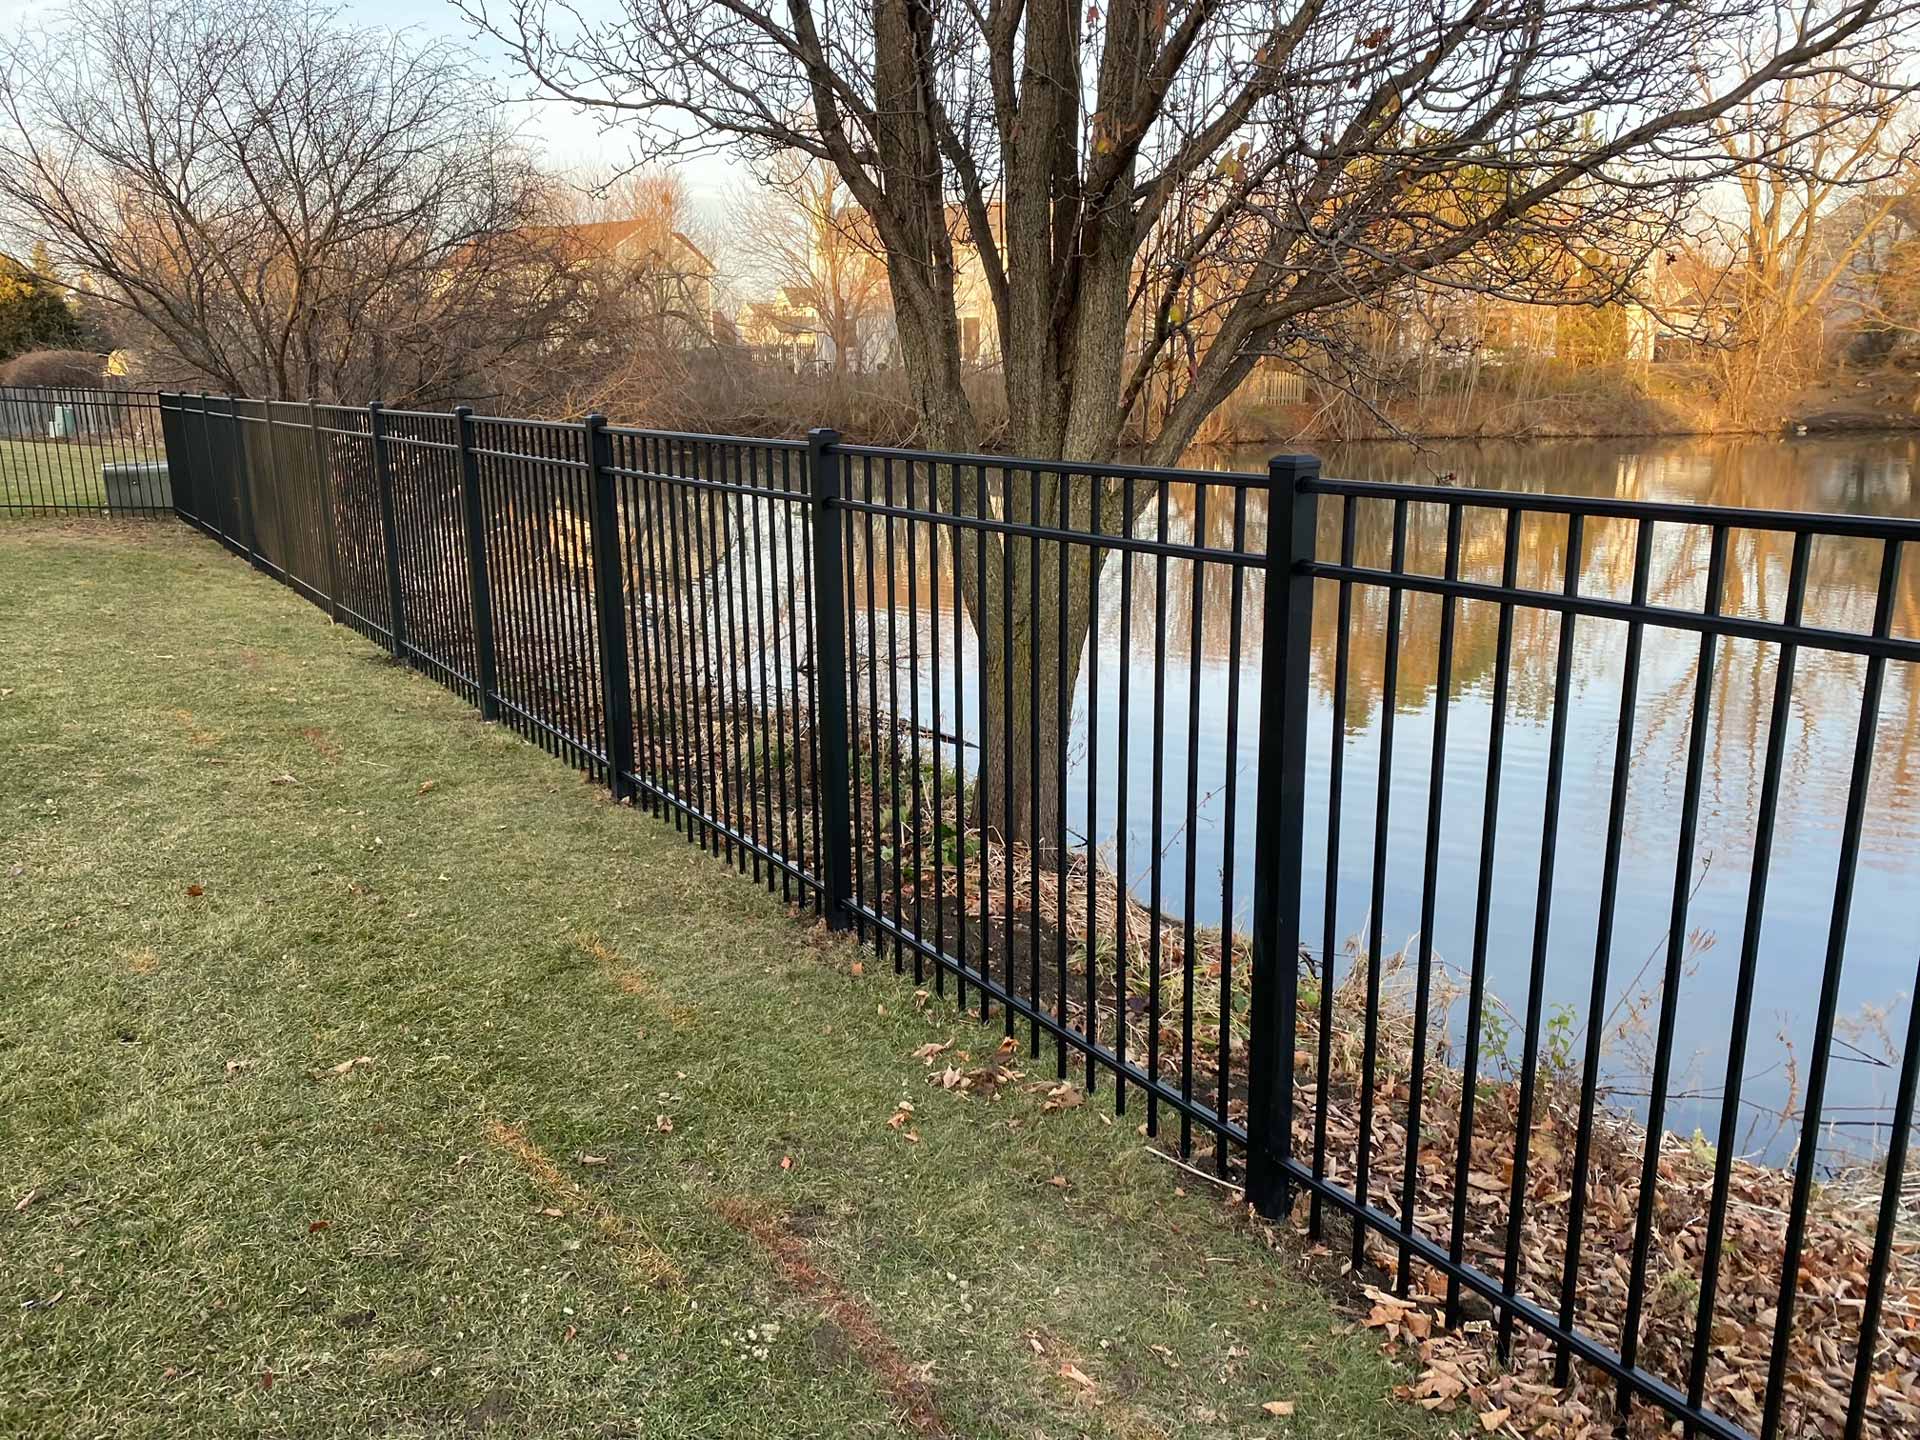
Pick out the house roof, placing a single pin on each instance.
(614, 239)
(762, 315)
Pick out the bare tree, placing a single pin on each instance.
(1822, 162)
(1099, 156)
(642, 295)
(275, 201)
(798, 232)
(1886, 330)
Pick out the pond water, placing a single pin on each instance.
(1864, 475)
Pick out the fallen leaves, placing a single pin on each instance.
(663, 1123)
(194, 892)
(1063, 1097)
(1460, 1370)
(981, 1079)
(1279, 1408)
(27, 1199)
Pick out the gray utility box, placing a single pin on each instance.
(137, 485)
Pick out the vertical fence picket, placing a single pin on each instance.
(240, 478)
(485, 666)
(173, 442)
(1807, 1162)
(323, 502)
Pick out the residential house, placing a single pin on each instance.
(849, 304)
(783, 331)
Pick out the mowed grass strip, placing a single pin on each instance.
(37, 473)
(364, 1071)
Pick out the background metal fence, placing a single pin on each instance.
(797, 653)
(72, 451)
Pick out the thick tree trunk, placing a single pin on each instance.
(1032, 646)
(1028, 603)
(1069, 255)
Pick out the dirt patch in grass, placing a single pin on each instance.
(324, 745)
(628, 1236)
(850, 1316)
(630, 979)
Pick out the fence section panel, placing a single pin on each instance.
(1034, 734)
(718, 579)
(1518, 1151)
(534, 485)
(71, 451)
(430, 526)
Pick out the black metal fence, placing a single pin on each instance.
(900, 689)
(81, 451)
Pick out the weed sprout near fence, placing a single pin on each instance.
(768, 644)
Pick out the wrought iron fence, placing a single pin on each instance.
(964, 705)
(81, 451)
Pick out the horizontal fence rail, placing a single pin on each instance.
(965, 706)
(73, 451)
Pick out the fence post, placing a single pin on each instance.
(486, 674)
(173, 439)
(1278, 836)
(283, 560)
(323, 483)
(610, 610)
(211, 485)
(389, 533)
(242, 474)
(824, 480)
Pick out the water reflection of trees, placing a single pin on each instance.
(1867, 477)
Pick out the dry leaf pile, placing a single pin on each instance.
(1461, 1368)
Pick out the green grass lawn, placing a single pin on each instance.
(364, 1071)
(34, 473)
